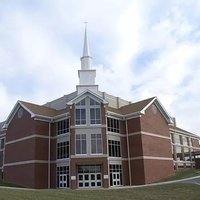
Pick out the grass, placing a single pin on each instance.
(184, 174)
(8, 184)
(174, 191)
(165, 192)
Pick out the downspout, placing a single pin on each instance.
(69, 152)
(49, 157)
(128, 151)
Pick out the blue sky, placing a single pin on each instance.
(140, 49)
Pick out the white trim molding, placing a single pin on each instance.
(149, 134)
(150, 158)
(26, 162)
(27, 138)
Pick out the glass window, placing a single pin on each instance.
(80, 116)
(81, 103)
(63, 177)
(184, 140)
(95, 116)
(2, 143)
(93, 102)
(113, 125)
(114, 148)
(177, 139)
(63, 127)
(179, 153)
(88, 111)
(81, 144)
(63, 150)
(96, 143)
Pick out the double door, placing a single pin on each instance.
(116, 178)
(89, 180)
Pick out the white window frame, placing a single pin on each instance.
(96, 140)
(115, 128)
(61, 147)
(87, 106)
(62, 127)
(117, 148)
(81, 144)
(61, 172)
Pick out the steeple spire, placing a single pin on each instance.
(86, 74)
(86, 59)
(86, 50)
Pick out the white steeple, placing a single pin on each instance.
(86, 59)
(86, 74)
(86, 50)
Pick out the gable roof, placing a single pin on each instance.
(139, 108)
(42, 110)
(84, 94)
(36, 111)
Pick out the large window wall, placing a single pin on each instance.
(89, 143)
(88, 112)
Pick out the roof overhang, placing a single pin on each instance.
(33, 115)
(160, 107)
(85, 94)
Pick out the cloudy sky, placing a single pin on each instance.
(140, 49)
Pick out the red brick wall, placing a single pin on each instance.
(156, 170)
(135, 145)
(155, 146)
(154, 123)
(53, 175)
(134, 125)
(27, 175)
(41, 175)
(19, 128)
(20, 151)
(124, 147)
(23, 175)
(41, 148)
(125, 173)
(137, 172)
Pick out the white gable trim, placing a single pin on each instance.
(14, 111)
(85, 94)
(160, 108)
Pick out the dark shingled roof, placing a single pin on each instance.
(43, 110)
(132, 108)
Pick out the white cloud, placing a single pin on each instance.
(140, 49)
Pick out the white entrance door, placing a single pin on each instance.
(63, 181)
(116, 178)
(89, 180)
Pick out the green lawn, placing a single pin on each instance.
(163, 192)
(184, 174)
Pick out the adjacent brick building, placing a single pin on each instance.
(90, 139)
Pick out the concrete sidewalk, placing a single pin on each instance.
(192, 180)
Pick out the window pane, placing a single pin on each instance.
(93, 146)
(80, 116)
(78, 146)
(84, 147)
(113, 125)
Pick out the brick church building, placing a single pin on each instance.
(91, 139)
